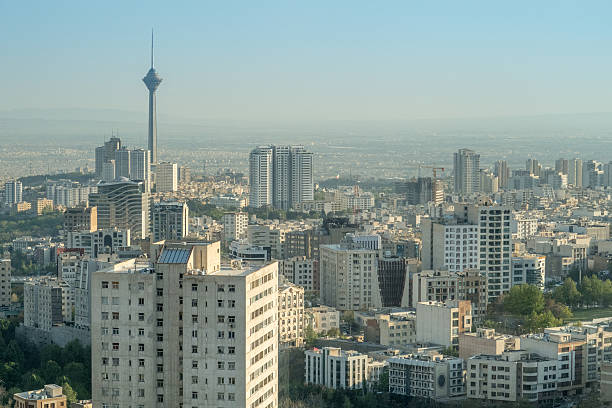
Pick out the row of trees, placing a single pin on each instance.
(198, 209)
(591, 291)
(24, 366)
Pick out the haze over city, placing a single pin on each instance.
(312, 204)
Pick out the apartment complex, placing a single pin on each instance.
(450, 244)
(431, 376)
(166, 177)
(530, 269)
(290, 315)
(102, 241)
(81, 219)
(486, 341)
(123, 204)
(301, 271)
(336, 368)
(322, 318)
(184, 331)
(170, 220)
(512, 376)
(467, 172)
(235, 225)
(5, 283)
(442, 323)
(280, 176)
(442, 286)
(349, 277)
(47, 302)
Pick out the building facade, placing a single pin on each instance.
(170, 220)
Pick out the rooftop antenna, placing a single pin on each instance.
(151, 48)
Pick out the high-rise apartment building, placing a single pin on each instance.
(280, 176)
(106, 153)
(467, 171)
(123, 204)
(170, 220)
(261, 177)
(235, 225)
(5, 283)
(166, 177)
(140, 166)
(421, 191)
(574, 173)
(108, 171)
(185, 332)
(533, 166)
(13, 192)
(562, 166)
(81, 219)
(450, 244)
(502, 171)
(349, 277)
(122, 163)
(495, 242)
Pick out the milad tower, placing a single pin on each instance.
(152, 81)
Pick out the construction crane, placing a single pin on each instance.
(434, 170)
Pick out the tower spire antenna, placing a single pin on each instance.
(151, 48)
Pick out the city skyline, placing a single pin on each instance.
(422, 61)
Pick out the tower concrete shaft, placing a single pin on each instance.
(152, 81)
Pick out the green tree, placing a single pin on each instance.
(51, 371)
(567, 293)
(523, 300)
(70, 394)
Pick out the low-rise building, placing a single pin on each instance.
(99, 242)
(512, 376)
(441, 323)
(529, 269)
(486, 341)
(606, 382)
(244, 251)
(48, 397)
(322, 318)
(432, 376)
(391, 329)
(336, 368)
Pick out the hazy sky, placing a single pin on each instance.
(310, 59)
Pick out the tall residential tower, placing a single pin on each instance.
(152, 81)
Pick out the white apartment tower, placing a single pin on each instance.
(467, 171)
(140, 166)
(170, 220)
(166, 177)
(280, 176)
(260, 177)
(450, 244)
(13, 192)
(184, 332)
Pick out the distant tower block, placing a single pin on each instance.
(152, 81)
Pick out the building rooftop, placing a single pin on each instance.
(50, 391)
(174, 256)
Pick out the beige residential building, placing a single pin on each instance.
(49, 397)
(235, 226)
(442, 323)
(5, 283)
(269, 237)
(567, 352)
(184, 331)
(349, 277)
(512, 376)
(42, 204)
(322, 318)
(290, 315)
(391, 329)
(486, 341)
(442, 286)
(166, 177)
(431, 376)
